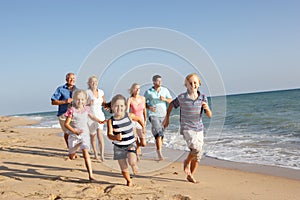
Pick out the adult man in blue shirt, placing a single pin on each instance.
(62, 97)
(157, 98)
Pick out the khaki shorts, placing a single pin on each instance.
(62, 119)
(195, 141)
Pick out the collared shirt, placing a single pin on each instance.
(190, 111)
(62, 93)
(153, 99)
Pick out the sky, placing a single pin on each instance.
(254, 45)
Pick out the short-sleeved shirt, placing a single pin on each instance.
(153, 99)
(62, 93)
(190, 111)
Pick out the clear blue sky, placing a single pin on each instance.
(255, 44)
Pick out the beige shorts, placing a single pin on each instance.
(62, 119)
(195, 141)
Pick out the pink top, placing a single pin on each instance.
(138, 109)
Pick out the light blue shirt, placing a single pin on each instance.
(153, 99)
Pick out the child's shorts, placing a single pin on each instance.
(75, 143)
(121, 152)
(194, 140)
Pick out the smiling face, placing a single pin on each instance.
(93, 83)
(70, 79)
(136, 90)
(119, 108)
(157, 83)
(192, 84)
(80, 99)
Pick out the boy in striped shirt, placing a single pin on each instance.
(191, 103)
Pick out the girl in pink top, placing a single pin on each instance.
(77, 119)
(136, 104)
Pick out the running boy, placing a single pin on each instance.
(191, 103)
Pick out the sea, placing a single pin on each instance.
(257, 128)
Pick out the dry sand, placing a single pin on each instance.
(34, 165)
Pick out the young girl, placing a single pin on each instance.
(120, 130)
(136, 104)
(77, 125)
(95, 101)
(191, 103)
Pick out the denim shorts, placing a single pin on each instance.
(120, 152)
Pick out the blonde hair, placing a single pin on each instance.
(77, 92)
(90, 79)
(187, 78)
(116, 98)
(131, 90)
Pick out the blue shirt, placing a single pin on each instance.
(62, 93)
(153, 99)
(190, 111)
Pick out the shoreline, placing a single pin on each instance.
(35, 165)
(179, 156)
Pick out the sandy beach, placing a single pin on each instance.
(35, 165)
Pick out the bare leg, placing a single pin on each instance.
(124, 168)
(192, 168)
(93, 142)
(88, 163)
(132, 158)
(187, 164)
(158, 142)
(66, 137)
(101, 144)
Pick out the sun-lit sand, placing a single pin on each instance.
(34, 165)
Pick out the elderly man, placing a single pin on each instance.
(62, 97)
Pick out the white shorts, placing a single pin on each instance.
(75, 142)
(195, 141)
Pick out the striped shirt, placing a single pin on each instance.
(190, 111)
(125, 128)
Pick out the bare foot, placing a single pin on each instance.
(186, 168)
(160, 156)
(191, 179)
(129, 183)
(92, 179)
